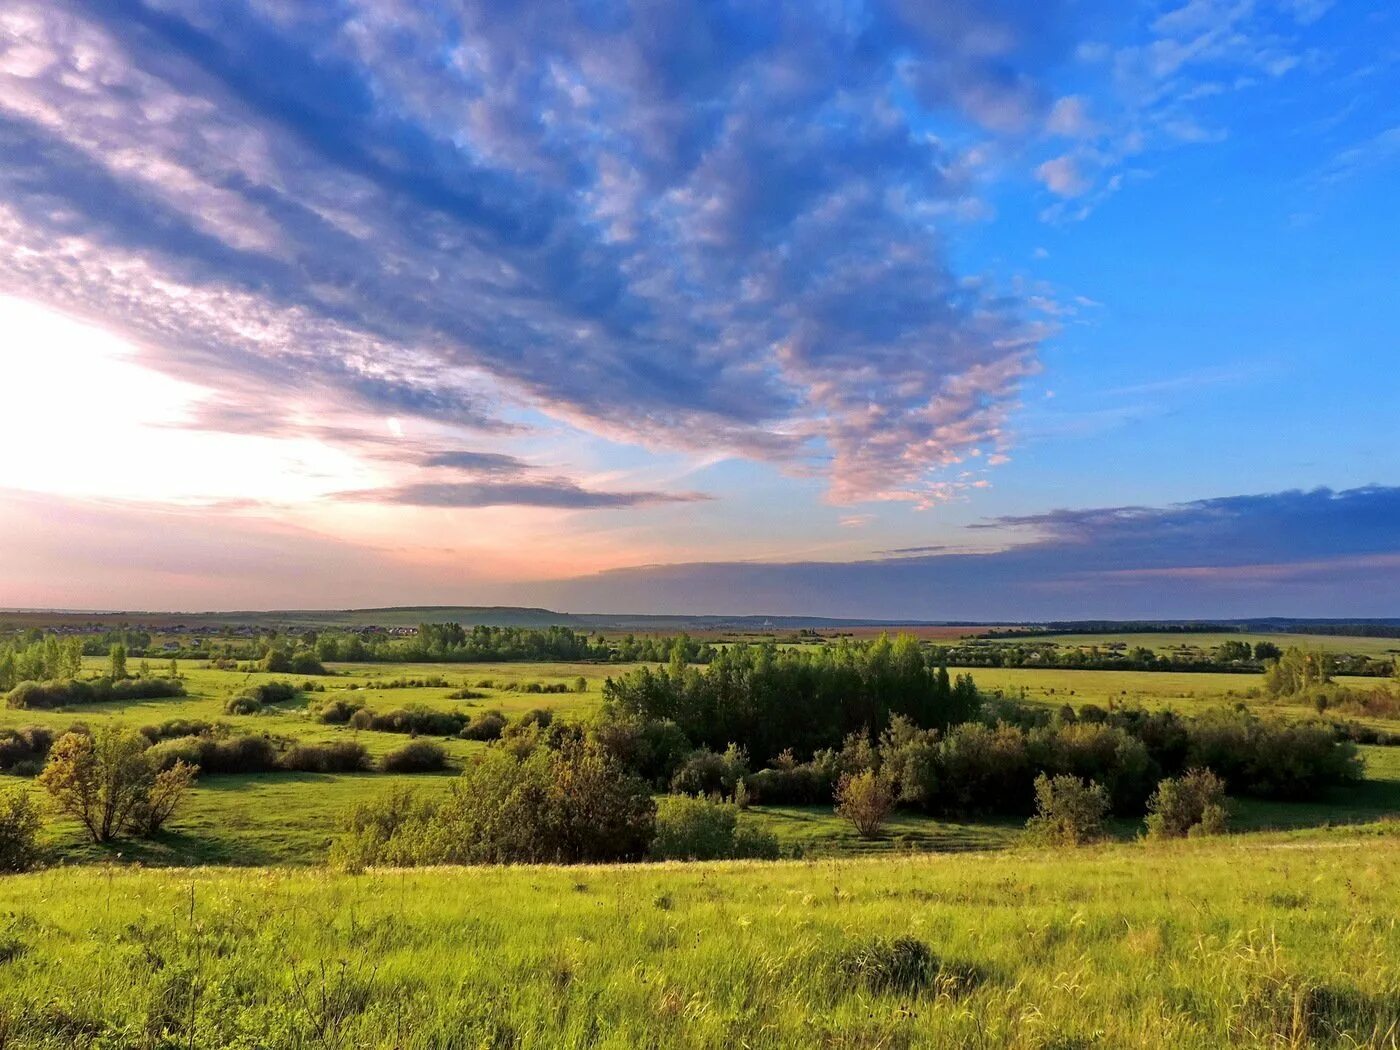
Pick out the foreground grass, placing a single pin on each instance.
(1240, 942)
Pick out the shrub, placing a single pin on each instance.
(706, 773)
(865, 799)
(19, 830)
(796, 783)
(386, 830)
(242, 705)
(337, 756)
(485, 725)
(980, 769)
(417, 756)
(337, 711)
(1271, 758)
(1180, 806)
(272, 692)
(415, 720)
(903, 965)
(177, 727)
(47, 695)
(1104, 754)
(1068, 810)
(166, 792)
(240, 754)
(651, 748)
(569, 806)
(465, 694)
(20, 749)
(700, 829)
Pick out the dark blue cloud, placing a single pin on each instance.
(1318, 553)
(713, 225)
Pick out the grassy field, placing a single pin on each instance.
(1114, 946)
(1165, 641)
(289, 818)
(1184, 691)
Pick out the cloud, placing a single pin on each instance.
(1317, 553)
(545, 493)
(1062, 176)
(700, 227)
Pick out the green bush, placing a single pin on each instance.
(61, 693)
(337, 756)
(24, 749)
(1191, 804)
(242, 705)
(574, 805)
(19, 830)
(1068, 810)
(866, 799)
(689, 828)
(705, 773)
(417, 756)
(240, 754)
(485, 725)
(337, 711)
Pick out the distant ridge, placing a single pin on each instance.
(534, 617)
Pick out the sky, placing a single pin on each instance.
(931, 309)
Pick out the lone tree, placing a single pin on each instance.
(109, 783)
(118, 658)
(866, 800)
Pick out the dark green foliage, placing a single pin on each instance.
(417, 756)
(337, 711)
(272, 692)
(418, 721)
(1271, 758)
(901, 966)
(177, 727)
(240, 754)
(567, 806)
(24, 750)
(484, 725)
(46, 695)
(767, 699)
(705, 773)
(701, 829)
(242, 705)
(337, 756)
(789, 782)
(1193, 804)
(653, 749)
(1068, 811)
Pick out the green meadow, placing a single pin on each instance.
(1248, 941)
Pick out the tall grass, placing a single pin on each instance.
(1257, 943)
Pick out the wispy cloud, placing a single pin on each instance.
(703, 227)
(545, 493)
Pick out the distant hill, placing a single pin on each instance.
(521, 616)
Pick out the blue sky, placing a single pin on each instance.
(491, 303)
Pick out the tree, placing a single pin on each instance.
(1193, 804)
(1068, 810)
(1298, 670)
(865, 799)
(100, 780)
(19, 830)
(167, 791)
(118, 662)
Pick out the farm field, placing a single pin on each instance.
(1121, 945)
(1165, 640)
